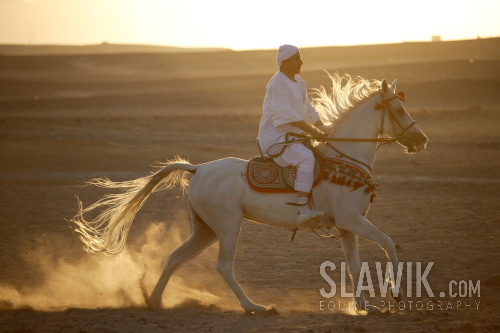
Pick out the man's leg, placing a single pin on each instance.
(303, 186)
(303, 158)
(303, 183)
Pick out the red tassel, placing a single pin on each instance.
(334, 179)
(341, 181)
(368, 190)
(356, 185)
(348, 183)
(372, 197)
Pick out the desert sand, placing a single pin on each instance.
(67, 118)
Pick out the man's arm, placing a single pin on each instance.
(316, 134)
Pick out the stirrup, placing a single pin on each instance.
(310, 220)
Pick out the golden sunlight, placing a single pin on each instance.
(243, 25)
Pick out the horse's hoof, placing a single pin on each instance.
(272, 311)
(370, 309)
(397, 298)
(153, 305)
(260, 309)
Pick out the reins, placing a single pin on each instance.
(385, 105)
(341, 154)
(300, 138)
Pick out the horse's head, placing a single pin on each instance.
(397, 122)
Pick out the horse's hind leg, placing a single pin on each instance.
(201, 237)
(227, 249)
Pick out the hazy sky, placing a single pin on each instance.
(244, 24)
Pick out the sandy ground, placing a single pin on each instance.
(64, 120)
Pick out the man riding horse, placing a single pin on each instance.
(287, 109)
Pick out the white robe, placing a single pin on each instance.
(286, 102)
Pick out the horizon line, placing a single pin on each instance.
(104, 43)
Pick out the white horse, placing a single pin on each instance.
(220, 197)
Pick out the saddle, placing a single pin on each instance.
(265, 175)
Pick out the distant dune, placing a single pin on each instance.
(104, 48)
(156, 61)
(434, 74)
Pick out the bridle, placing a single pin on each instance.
(385, 106)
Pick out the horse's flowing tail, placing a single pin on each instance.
(108, 232)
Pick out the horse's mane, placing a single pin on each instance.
(345, 94)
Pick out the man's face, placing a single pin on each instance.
(293, 64)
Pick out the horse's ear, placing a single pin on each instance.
(385, 86)
(393, 85)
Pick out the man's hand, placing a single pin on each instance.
(316, 134)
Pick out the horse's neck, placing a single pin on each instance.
(361, 122)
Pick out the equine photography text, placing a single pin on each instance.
(415, 274)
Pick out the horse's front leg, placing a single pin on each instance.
(351, 252)
(361, 226)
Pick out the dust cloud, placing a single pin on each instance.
(106, 281)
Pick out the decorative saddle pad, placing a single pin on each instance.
(265, 175)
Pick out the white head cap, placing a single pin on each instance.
(285, 52)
